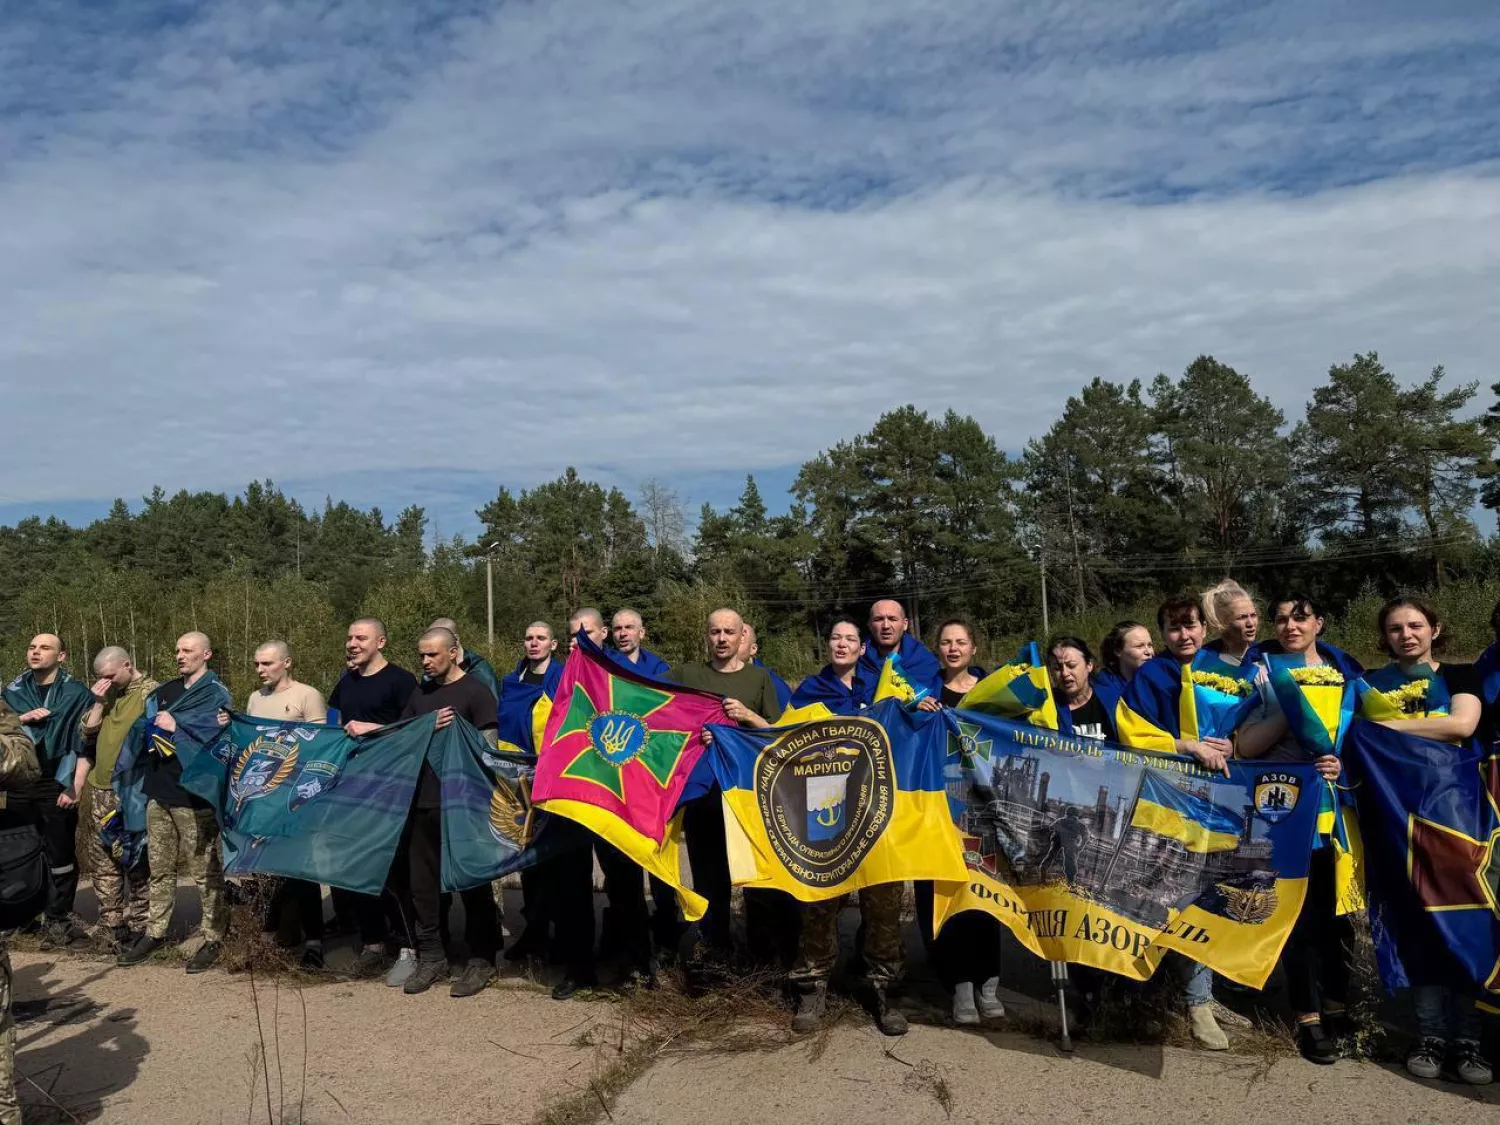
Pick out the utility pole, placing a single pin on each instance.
(489, 588)
(1041, 562)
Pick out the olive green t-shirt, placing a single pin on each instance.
(751, 685)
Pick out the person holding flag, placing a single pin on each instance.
(750, 700)
(966, 952)
(472, 663)
(526, 696)
(51, 705)
(1085, 711)
(1188, 701)
(181, 721)
(1307, 690)
(888, 627)
(836, 688)
(1442, 702)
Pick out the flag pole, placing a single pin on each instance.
(1124, 831)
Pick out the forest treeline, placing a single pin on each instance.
(1137, 489)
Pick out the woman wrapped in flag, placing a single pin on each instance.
(1085, 709)
(966, 953)
(1230, 613)
(1124, 651)
(1417, 694)
(1188, 701)
(837, 688)
(1307, 692)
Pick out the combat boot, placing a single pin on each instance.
(812, 1004)
(889, 1018)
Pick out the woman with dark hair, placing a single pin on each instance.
(1441, 702)
(837, 685)
(1082, 710)
(1287, 728)
(966, 954)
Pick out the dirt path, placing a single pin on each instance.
(154, 1045)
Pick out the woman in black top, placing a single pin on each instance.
(955, 649)
(966, 955)
(1080, 710)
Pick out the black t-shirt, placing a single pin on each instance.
(1092, 720)
(530, 677)
(468, 697)
(1460, 679)
(380, 698)
(162, 781)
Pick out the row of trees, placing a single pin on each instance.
(1133, 491)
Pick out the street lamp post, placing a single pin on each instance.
(489, 586)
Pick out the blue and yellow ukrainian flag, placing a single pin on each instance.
(1195, 822)
(821, 808)
(1020, 690)
(1167, 700)
(893, 683)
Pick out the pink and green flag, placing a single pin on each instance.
(616, 756)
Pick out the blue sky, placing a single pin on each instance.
(406, 253)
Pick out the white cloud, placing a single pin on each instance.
(700, 235)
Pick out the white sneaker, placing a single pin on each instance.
(402, 970)
(964, 1011)
(991, 1007)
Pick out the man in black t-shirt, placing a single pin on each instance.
(372, 693)
(448, 692)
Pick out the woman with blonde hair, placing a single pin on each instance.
(1230, 614)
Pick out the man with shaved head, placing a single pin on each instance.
(447, 691)
(284, 700)
(471, 662)
(750, 654)
(371, 693)
(51, 705)
(181, 831)
(749, 700)
(119, 694)
(888, 634)
(627, 631)
(590, 622)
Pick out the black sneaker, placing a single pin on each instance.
(369, 963)
(1316, 1046)
(312, 960)
(473, 980)
(1338, 1023)
(569, 986)
(428, 974)
(139, 950)
(205, 958)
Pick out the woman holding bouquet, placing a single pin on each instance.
(1416, 694)
(966, 954)
(1230, 613)
(1307, 695)
(1187, 701)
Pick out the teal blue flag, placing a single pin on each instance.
(307, 801)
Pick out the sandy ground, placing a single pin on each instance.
(151, 1044)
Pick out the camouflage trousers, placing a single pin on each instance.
(121, 893)
(882, 947)
(188, 837)
(10, 1107)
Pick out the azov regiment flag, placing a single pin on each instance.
(821, 808)
(1104, 856)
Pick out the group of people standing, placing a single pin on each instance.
(403, 933)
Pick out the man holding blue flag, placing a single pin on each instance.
(888, 634)
(51, 705)
(182, 720)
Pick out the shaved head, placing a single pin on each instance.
(193, 651)
(110, 657)
(726, 630)
(544, 626)
(46, 654)
(280, 649)
(442, 635)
